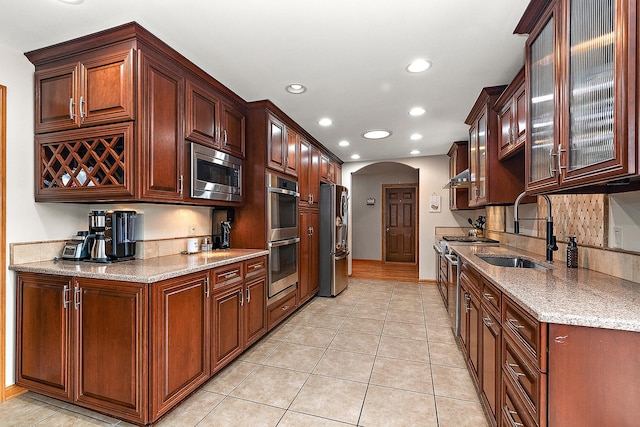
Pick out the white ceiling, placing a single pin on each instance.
(351, 54)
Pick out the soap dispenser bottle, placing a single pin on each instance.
(572, 253)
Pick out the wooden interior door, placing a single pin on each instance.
(400, 224)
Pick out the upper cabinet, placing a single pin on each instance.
(283, 147)
(458, 162)
(113, 110)
(211, 121)
(512, 117)
(85, 90)
(581, 79)
(491, 181)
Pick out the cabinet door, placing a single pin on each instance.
(43, 339)
(275, 142)
(227, 326)
(491, 363)
(179, 339)
(481, 153)
(520, 116)
(107, 89)
(326, 168)
(505, 129)
(110, 353)
(56, 94)
(303, 256)
(292, 148)
(475, 344)
(232, 139)
(473, 164)
(309, 247)
(160, 130)
(314, 175)
(304, 172)
(202, 115)
(314, 253)
(255, 310)
(542, 168)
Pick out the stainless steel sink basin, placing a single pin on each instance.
(511, 261)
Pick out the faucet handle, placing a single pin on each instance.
(552, 245)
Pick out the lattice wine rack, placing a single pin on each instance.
(92, 160)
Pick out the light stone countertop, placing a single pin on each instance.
(570, 296)
(142, 270)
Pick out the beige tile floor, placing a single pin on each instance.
(380, 354)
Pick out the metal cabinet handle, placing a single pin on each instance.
(248, 295)
(65, 295)
(76, 297)
(512, 367)
(180, 181)
(514, 323)
(560, 150)
(241, 298)
(231, 275)
(71, 115)
(512, 420)
(487, 296)
(285, 308)
(552, 171)
(206, 289)
(487, 322)
(467, 298)
(310, 231)
(82, 112)
(224, 141)
(217, 135)
(257, 266)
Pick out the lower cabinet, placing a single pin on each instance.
(309, 278)
(135, 350)
(180, 339)
(83, 341)
(490, 363)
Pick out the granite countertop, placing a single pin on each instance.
(570, 296)
(142, 270)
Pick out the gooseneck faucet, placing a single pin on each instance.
(551, 238)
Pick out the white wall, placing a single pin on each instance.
(433, 172)
(28, 221)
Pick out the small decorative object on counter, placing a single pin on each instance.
(478, 226)
(572, 253)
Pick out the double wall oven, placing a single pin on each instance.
(282, 233)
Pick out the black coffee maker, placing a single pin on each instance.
(113, 235)
(221, 227)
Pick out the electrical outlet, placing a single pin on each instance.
(192, 230)
(617, 236)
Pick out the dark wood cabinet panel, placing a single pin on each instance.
(309, 174)
(110, 333)
(86, 91)
(161, 142)
(43, 339)
(309, 248)
(202, 112)
(233, 130)
(275, 143)
(227, 325)
(292, 153)
(255, 320)
(512, 117)
(180, 339)
(491, 363)
(458, 162)
(278, 310)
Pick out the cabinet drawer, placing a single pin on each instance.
(281, 309)
(470, 278)
(513, 412)
(528, 382)
(255, 267)
(227, 275)
(524, 328)
(491, 296)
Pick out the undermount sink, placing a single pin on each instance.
(511, 261)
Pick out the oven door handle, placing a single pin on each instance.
(283, 191)
(284, 242)
(453, 260)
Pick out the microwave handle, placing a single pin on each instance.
(284, 242)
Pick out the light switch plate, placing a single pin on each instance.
(617, 236)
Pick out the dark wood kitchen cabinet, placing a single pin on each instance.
(492, 182)
(255, 307)
(68, 327)
(86, 89)
(283, 147)
(111, 119)
(309, 248)
(458, 162)
(512, 118)
(581, 60)
(212, 121)
(309, 174)
(470, 333)
(180, 339)
(330, 170)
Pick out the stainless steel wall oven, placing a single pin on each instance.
(282, 233)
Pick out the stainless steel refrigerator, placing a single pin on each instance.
(334, 239)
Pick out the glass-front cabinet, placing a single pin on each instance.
(582, 93)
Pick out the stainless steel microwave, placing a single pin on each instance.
(215, 175)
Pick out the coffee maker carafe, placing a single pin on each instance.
(97, 226)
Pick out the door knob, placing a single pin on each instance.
(387, 229)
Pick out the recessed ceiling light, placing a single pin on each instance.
(71, 1)
(296, 88)
(419, 65)
(355, 156)
(325, 121)
(414, 152)
(343, 143)
(417, 111)
(376, 134)
(415, 137)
